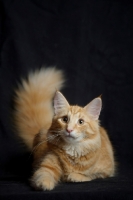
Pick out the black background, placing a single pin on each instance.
(92, 41)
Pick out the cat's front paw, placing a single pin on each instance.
(43, 181)
(75, 177)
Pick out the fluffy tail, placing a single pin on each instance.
(33, 103)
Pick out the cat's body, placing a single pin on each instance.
(70, 147)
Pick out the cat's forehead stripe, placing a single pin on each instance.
(75, 109)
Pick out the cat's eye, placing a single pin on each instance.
(64, 119)
(81, 121)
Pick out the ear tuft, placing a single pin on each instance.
(60, 103)
(94, 108)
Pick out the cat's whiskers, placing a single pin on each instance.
(48, 139)
(58, 139)
(57, 131)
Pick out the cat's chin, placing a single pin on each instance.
(71, 139)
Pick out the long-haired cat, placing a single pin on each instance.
(67, 141)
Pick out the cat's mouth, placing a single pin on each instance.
(70, 136)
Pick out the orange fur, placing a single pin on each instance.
(33, 103)
(69, 146)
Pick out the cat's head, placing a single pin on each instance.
(75, 124)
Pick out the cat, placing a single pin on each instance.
(67, 142)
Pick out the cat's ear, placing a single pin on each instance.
(93, 109)
(60, 104)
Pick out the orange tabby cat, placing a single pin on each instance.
(67, 141)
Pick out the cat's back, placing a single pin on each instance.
(106, 158)
(105, 141)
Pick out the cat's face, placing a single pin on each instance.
(75, 124)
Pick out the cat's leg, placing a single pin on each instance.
(77, 177)
(48, 173)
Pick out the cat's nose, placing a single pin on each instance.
(69, 130)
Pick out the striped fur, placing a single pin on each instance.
(64, 148)
(33, 103)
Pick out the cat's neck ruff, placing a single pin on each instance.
(82, 148)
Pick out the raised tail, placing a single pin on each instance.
(33, 103)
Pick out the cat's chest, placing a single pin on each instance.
(71, 163)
